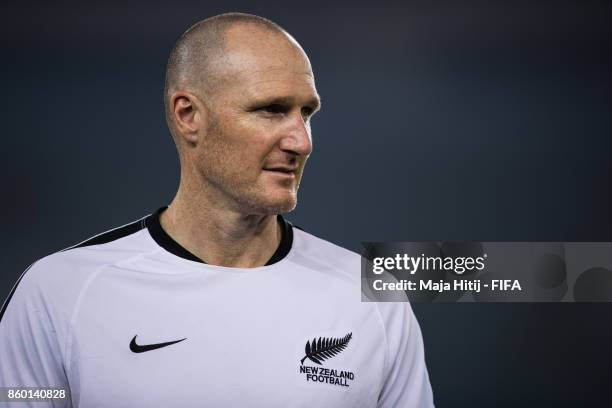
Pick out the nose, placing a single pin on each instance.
(296, 136)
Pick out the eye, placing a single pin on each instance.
(307, 112)
(274, 109)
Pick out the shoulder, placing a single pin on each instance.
(59, 277)
(320, 254)
(395, 312)
(101, 250)
(313, 245)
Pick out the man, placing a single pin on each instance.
(217, 300)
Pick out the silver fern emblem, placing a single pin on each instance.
(324, 348)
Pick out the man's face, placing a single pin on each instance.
(258, 137)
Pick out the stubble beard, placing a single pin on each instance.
(220, 168)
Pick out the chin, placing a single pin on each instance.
(274, 203)
(281, 206)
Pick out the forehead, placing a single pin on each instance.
(258, 63)
(275, 83)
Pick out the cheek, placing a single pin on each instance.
(250, 140)
(235, 150)
(248, 151)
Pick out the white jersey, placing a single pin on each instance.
(129, 318)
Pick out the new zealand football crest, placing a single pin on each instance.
(322, 349)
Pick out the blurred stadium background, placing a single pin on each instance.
(481, 120)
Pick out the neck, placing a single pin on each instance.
(219, 235)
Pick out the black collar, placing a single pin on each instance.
(165, 241)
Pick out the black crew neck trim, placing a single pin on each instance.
(169, 244)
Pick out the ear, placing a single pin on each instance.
(188, 115)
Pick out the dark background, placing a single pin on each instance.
(484, 121)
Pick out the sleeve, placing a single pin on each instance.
(407, 381)
(30, 352)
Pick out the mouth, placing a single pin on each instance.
(281, 171)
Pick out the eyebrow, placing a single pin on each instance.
(315, 103)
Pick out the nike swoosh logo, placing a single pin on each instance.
(141, 348)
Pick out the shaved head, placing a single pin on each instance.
(197, 60)
(239, 96)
